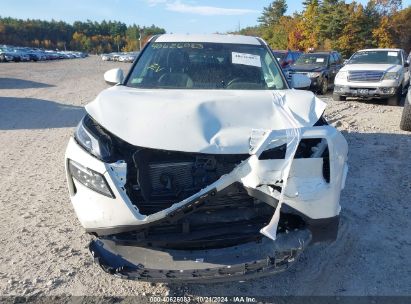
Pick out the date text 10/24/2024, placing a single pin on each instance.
(202, 299)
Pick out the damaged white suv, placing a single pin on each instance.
(203, 165)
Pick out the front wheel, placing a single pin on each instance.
(324, 87)
(396, 99)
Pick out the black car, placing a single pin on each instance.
(320, 67)
(286, 58)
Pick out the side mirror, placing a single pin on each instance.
(300, 81)
(114, 76)
(345, 61)
(406, 64)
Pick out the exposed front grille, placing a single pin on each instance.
(365, 76)
(160, 178)
(163, 175)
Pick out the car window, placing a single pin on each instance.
(280, 56)
(333, 60)
(337, 58)
(404, 58)
(296, 55)
(206, 66)
(376, 56)
(312, 59)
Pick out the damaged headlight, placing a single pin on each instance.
(89, 178)
(93, 138)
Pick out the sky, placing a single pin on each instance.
(175, 16)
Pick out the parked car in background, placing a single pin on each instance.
(179, 168)
(320, 67)
(128, 57)
(106, 57)
(121, 57)
(374, 73)
(7, 55)
(15, 53)
(286, 58)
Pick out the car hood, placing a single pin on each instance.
(205, 121)
(371, 67)
(307, 68)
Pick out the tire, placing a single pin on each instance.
(396, 99)
(324, 87)
(405, 89)
(337, 97)
(405, 123)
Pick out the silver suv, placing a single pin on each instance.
(374, 73)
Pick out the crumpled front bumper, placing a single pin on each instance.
(250, 260)
(307, 192)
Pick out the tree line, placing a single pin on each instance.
(321, 25)
(335, 25)
(89, 36)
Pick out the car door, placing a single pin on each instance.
(340, 61)
(332, 68)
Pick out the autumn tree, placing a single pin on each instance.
(400, 29)
(353, 34)
(382, 35)
(271, 14)
(387, 7)
(308, 26)
(332, 18)
(88, 36)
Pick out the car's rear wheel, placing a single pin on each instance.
(337, 97)
(405, 123)
(396, 99)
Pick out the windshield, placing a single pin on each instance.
(312, 59)
(390, 57)
(206, 66)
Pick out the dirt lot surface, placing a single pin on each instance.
(44, 249)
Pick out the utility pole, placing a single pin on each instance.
(140, 38)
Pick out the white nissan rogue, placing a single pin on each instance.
(202, 164)
(374, 73)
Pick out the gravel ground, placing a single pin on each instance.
(44, 249)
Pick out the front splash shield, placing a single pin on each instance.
(254, 259)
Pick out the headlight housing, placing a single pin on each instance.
(392, 76)
(341, 75)
(92, 137)
(314, 74)
(89, 178)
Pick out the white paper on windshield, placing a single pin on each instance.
(319, 60)
(392, 54)
(246, 59)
